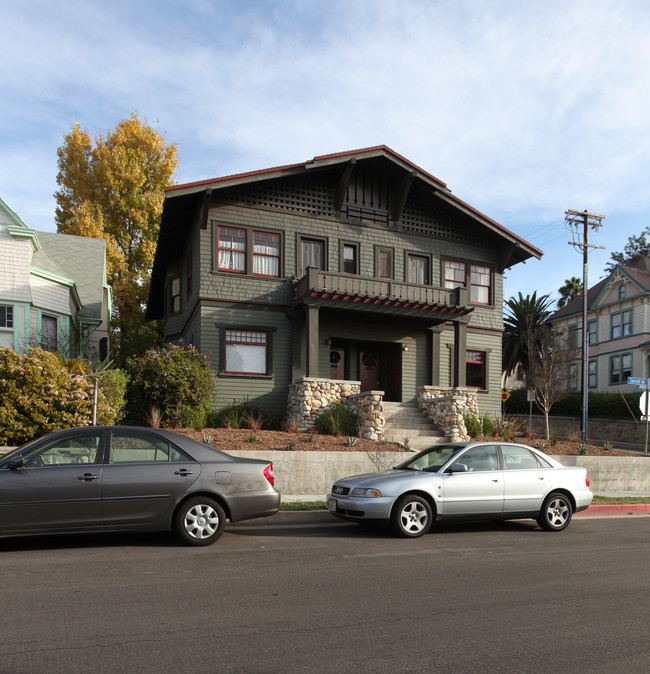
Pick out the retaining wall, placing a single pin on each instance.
(314, 472)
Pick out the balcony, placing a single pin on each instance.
(343, 291)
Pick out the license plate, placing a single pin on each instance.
(331, 505)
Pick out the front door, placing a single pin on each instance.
(380, 369)
(369, 368)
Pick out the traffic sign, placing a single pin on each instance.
(638, 381)
(505, 394)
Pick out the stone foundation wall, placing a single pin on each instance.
(309, 396)
(446, 408)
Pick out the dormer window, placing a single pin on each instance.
(622, 291)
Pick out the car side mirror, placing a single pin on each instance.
(459, 468)
(16, 462)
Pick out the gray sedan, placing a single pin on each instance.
(119, 478)
(487, 480)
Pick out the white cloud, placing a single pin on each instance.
(524, 109)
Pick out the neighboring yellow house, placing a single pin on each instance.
(618, 327)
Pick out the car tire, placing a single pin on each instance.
(556, 512)
(411, 517)
(199, 521)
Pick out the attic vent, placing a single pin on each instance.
(421, 219)
(306, 195)
(367, 197)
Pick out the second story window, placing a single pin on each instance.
(573, 337)
(480, 280)
(384, 262)
(312, 254)
(232, 250)
(350, 262)
(266, 254)
(175, 295)
(621, 324)
(480, 284)
(418, 269)
(592, 329)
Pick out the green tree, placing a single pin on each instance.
(522, 323)
(176, 380)
(635, 248)
(571, 289)
(112, 187)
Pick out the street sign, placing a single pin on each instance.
(638, 381)
(505, 394)
(642, 402)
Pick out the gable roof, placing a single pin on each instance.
(79, 258)
(192, 201)
(637, 271)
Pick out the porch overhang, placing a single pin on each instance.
(381, 297)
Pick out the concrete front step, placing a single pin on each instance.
(407, 420)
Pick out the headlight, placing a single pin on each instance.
(365, 493)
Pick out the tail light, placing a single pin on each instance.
(268, 474)
(587, 479)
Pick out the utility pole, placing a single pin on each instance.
(574, 219)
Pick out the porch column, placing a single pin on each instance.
(460, 355)
(312, 341)
(435, 356)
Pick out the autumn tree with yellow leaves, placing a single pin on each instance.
(112, 187)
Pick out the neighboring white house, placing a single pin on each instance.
(618, 327)
(53, 290)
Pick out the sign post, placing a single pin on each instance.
(643, 403)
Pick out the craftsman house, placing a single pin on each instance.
(53, 290)
(354, 267)
(618, 329)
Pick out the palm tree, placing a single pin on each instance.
(571, 289)
(522, 326)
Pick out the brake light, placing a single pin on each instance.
(587, 479)
(268, 474)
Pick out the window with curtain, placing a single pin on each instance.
(418, 269)
(350, 258)
(266, 254)
(175, 295)
(232, 250)
(246, 352)
(480, 284)
(312, 254)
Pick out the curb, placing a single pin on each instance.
(291, 517)
(616, 509)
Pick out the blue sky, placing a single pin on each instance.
(525, 109)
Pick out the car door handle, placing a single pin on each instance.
(183, 472)
(88, 476)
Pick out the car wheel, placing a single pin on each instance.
(200, 521)
(411, 516)
(556, 513)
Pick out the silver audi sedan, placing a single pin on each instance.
(486, 480)
(119, 478)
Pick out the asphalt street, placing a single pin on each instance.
(504, 597)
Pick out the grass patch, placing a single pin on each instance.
(303, 505)
(619, 500)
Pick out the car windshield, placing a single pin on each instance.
(432, 459)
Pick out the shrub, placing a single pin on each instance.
(175, 379)
(240, 414)
(337, 420)
(473, 425)
(40, 394)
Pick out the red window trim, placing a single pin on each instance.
(277, 257)
(220, 248)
